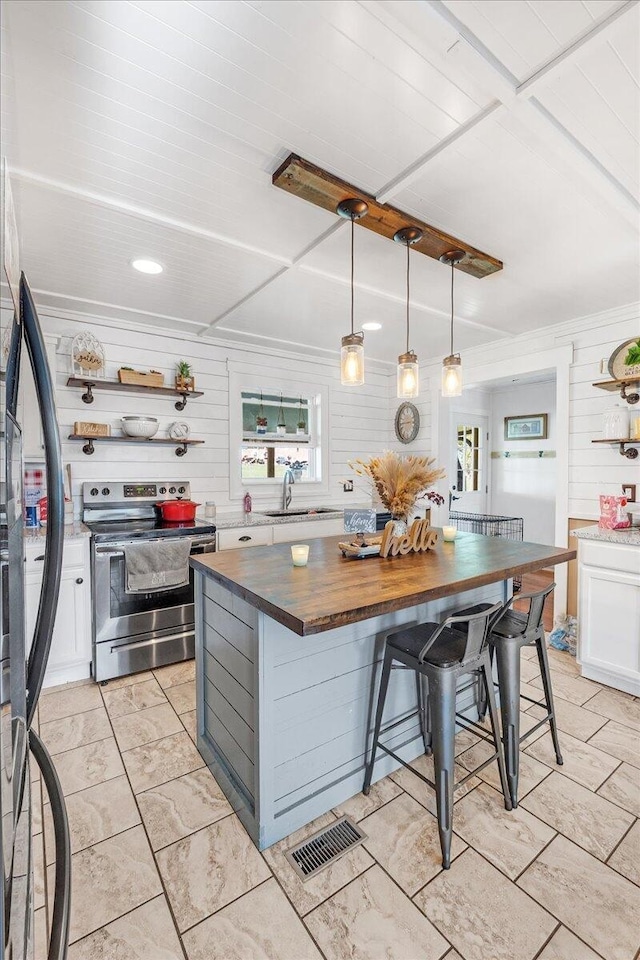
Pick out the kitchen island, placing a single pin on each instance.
(287, 658)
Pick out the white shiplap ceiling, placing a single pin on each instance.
(153, 128)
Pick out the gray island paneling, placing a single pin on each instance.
(287, 657)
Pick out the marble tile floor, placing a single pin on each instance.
(163, 870)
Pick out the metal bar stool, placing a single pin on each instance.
(508, 633)
(442, 653)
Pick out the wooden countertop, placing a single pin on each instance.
(332, 591)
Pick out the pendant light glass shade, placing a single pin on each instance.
(452, 365)
(352, 360)
(352, 351)
(452, 376)
(408, 376)
(408, 371)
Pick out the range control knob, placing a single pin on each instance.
(172, 489)
(94, 491)
(182, 489)
(163, 489)
(105, 491)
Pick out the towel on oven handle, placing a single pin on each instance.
(151, 567)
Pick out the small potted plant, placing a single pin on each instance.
(184, 377)
(301, 426)
(261, 420)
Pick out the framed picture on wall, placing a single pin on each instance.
(530, 427)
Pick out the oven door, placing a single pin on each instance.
(124, 620)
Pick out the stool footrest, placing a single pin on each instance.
(537, 727)
(396, 723)
(483, 733)
(536, 703)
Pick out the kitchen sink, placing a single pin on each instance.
(308, 511)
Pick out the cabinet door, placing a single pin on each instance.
(609, 626)
(239, 537)
(70, 656)
(307, 530)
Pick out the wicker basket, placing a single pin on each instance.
(139, 379)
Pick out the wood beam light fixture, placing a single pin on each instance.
(408, 368)
(323, 189)
(352, 350)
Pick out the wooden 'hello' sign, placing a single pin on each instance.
(419, 537)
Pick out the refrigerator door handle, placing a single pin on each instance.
(54, 541)
(61, 914)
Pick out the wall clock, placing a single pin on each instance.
(407, 422)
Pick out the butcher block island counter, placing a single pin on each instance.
(287, 663)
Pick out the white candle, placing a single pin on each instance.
(300, 554)
(449, 533)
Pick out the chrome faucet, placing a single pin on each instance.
(287, 480)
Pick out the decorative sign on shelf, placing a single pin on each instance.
(85, 428)
(418, 538)
(624, 362)
(359, 521)
(87, 356)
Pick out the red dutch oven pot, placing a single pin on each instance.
(178, 511)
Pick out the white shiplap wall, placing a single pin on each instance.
(358, 425)
(593, 468)
(360, 421)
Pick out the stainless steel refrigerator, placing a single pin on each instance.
(22, 675)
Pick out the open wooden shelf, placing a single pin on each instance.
(88, 448)
(620, 386)
(630, 452)
(291, 439)
(115, 385)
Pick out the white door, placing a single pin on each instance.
(468, 473)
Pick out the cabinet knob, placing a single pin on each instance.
(79, 580)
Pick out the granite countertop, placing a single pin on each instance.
(629, 536)
(72, 531)
(227, 521)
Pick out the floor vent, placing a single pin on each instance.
(324, 847)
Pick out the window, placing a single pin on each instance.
(468, 478)
(277, 434)
(276, 424)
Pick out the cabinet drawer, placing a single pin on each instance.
(612, 556)
(73, 555)
(307, 530)
(244, 537)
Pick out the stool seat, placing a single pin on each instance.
(511, 624)
(447, 650)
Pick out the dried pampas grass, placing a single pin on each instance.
(398, 481)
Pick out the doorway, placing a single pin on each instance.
(469, 447)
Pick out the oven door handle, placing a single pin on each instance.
(109, 553)
(137, 644)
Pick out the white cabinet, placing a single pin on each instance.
(265, 535)
(307, 530)
(70, 656)
(244, 537)
(609, 613)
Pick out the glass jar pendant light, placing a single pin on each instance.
(452, 365)
(408, 369)
(352, 350)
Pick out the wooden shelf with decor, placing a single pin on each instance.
(115, 385)
(630, 452)
(620, 386)
(89, 442)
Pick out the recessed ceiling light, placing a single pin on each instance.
(147, 266)
(371, 325)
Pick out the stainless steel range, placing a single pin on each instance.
(137, 631)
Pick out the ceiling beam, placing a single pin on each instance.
(318, 186)
(472, 55)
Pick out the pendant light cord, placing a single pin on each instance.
(452, 266)
(352, 234)
(408, 261)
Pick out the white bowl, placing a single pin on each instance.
(140, 426)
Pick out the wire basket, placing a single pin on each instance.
(491, 525)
